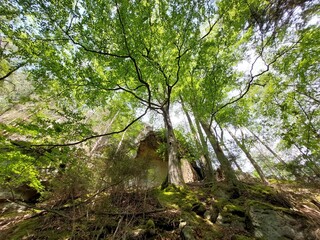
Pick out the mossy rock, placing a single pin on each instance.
(202, 231)
(212, 214)
(179, 198)
(234, 210)
(241, 237)
(199, 208)
(266, 205)
(188, 233)
(275, 223)
(150, 224)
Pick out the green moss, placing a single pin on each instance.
(233, 208)
(280, 181)
(209, 232)
(265, 205)
(150, 224)
(220, 203)
(241, 237)
(179, 198)
(9, 215)
(187, 207)
(29, 229)
(262, 189)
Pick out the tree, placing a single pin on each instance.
(201, 144)
(287, 102)
(249, 156)
(92, 52)
(88, 54)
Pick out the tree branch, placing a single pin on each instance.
(138, 71)
(93, 136)
(212, 26)
(253, 77)
(12, 71)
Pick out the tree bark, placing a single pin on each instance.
(267, 147)
(232, 158)
(208, 162)
(265, 160)
(201, 145)
(174, 166)
(230, 155)
(250, 158)
(312, 166)
(224, 162)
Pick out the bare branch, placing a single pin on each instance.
(151, 105)
(133, 213)
(93, 136)
(138, 71)
(211, 27)
(92, 50)
(253, 77)
(12, 71)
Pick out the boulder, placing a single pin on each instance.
(212, 214)
(199, 208)
(188, 172)
(187, 233)
(268, 222)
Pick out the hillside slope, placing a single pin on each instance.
(198, 211)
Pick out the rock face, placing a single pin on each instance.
(147, 151)
(157, 166)
(188, 173)
(148, 146)
(270, 223)
(23, 193)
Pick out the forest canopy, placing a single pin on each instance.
(81, 79)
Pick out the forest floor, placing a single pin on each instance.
(198, 211)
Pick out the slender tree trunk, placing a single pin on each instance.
(233, 158)
(208, 162)
(121, 141)
(204, 158)
(224, 162)
(312, 166)
(267, 147)
(100, 139)
(265, 161)
(174, 167)
(250, 158)
(295, 174)
(201, 145)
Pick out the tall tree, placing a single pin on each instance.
(201, 144)
(143, 54)
(267, 147)
(254, 163)
(223, 160)
(90, 52)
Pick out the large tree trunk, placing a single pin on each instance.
(224, 162)
(248, 155)
(174, 167)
